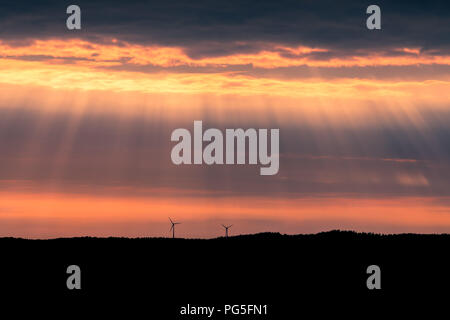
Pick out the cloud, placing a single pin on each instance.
(215, 28)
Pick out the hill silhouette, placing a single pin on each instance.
(267, 268)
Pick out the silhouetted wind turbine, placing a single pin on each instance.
(173, 227)
(226, 229)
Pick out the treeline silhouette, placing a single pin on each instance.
(339, 234)
(285, 271)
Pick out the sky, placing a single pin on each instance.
(86, 116)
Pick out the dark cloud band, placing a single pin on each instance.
(214, 28)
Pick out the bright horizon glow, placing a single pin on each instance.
(72, 212)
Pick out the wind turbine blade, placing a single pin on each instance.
(171, 220)
(171, 228)
(224, 226)
(230, 226)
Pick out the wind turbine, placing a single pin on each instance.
(226, 229)
(173, 227)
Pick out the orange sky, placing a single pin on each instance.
(72, 213)
(51, 190)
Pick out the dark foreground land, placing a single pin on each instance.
(323, 273)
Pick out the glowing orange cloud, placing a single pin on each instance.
(92, 54)
(77, 64)
(62, 76)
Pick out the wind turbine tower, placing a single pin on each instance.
(173, 227)
(226, 229)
